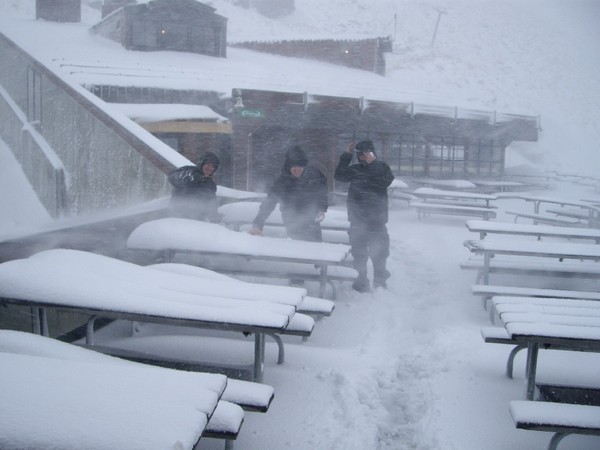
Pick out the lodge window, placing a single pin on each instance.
(448, 153)
(410, 156)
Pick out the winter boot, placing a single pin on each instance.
(380, 279)
(361, 284)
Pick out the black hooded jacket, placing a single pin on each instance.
(367, 194)
(301, 199)
(194, 195)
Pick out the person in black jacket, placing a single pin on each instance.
(194, 193)
(301, 191)
(367, 211)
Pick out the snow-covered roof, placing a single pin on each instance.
(157, 112)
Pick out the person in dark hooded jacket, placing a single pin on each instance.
(194, 194)
(301, 191)
(367, 205)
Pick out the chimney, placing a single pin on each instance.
(58, 10)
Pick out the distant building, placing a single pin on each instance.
(178, 25)
(58, 10)
(364, 54)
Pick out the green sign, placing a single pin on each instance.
(252, 113)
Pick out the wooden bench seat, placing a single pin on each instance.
(426, 208)
(488, 291)
(281, 270)
(545, 219)
(313, 306)
(224, 423)
(187, 348)
(560, 418)
(574, 269)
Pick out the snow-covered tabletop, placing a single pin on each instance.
(91, 282)
(247, 393)
(427, 192)
(449, 184)
(245, 212)
(486, 226)
(56, 402)
(539, 249)
(187, 235)
(537, 200)
(224, 284)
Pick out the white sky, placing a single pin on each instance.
(406, 368)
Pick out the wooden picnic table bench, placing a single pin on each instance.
(560, 251)
(540, 231)
(426, 208)
(172, 236)
(538, 218)
(455, 197)
(452, 184)
(591, 213)
(492, 186)
(432, 201)
(590, 217)
(559, 418)
(114, 289)
(108, 406)
(489, 291)
(314, 306)
(531, 266)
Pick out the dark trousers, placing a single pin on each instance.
(308, 231)
(370, 241)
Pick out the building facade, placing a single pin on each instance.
(175, 25)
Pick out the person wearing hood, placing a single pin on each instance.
(301, 191)
(194, 194)
(367, 206)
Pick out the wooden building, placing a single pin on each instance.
(364, 54)
(177, 25)
(191, 134)
(58, 10)
(415, 140)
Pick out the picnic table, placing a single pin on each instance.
(446, 184)
(173, 235)
(431, 200)
(56, 401)
(455, 197)
(560, 251)
(572, 326)
(103, 287)
(243, 213)
(584, 211)
(490, 186)
(484, 228)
